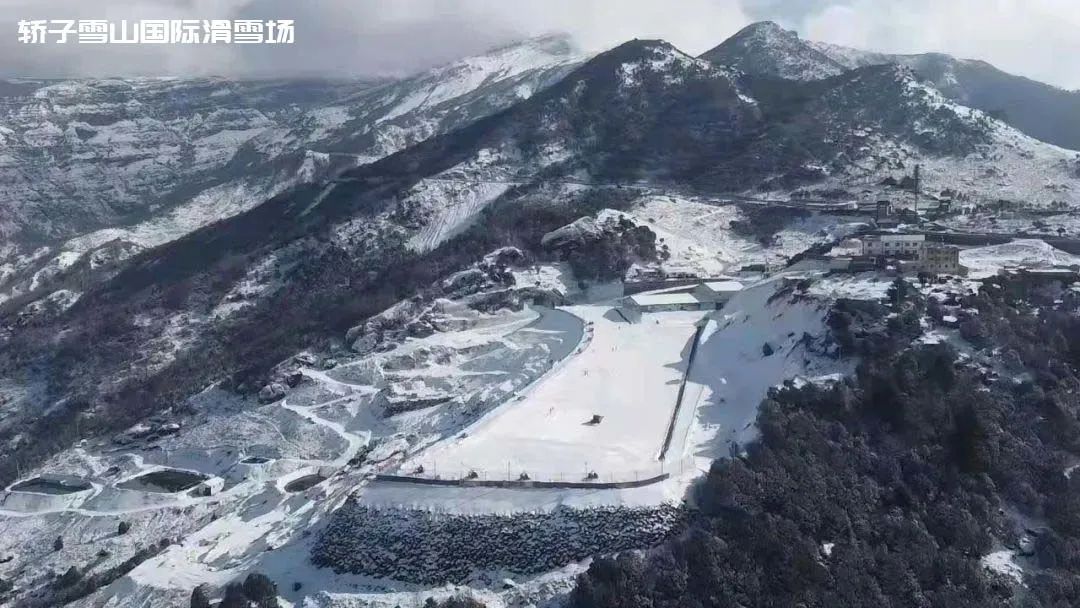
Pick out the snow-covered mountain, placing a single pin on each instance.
(767, 48)
(643, 115)
(1042, 111)
(81, 155)
(390, 118)
(432, 207)
(84, 164)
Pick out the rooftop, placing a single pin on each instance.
(895, 237)
(724, 286)
(662, 299)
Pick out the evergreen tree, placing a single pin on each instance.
(200, 596)
(258, 587)
(69, 578)
(234, 597)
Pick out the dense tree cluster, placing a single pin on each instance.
(888, 488)
(762, 223)
(433, 548)
(256, 591)
(607, 255)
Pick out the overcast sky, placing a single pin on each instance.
(1035, 38)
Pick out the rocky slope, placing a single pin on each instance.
(140, 162)
(86, 154)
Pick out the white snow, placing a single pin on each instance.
(697, 235)
(1029, 253)
(627, 373)
(665, 299)
(451, 205)
(861, 286)
(667, 61)
(1003, 562)
(557, 277)
(731, 374)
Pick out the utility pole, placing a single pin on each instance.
(918, 185)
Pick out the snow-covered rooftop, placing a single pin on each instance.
(724, 286)
(664, 299)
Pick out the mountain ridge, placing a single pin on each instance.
(1043, 111)
(643, 114)
(303, 143)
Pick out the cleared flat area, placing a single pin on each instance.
(629, 374)
(502, 500)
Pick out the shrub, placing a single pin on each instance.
(69, 578)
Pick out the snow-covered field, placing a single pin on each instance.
(1011, 223)
(699, 235)
(734, 370)
(628, 374)
(1030, 253)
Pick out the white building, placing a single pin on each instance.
(709, 295)
(914, 253)
(893, 245)
(661, 302)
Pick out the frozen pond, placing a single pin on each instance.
(165, 481)
(52, 485)
(302, 483)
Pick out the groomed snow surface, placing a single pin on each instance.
(627, 374)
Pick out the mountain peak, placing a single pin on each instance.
(554, 43)
(766, 48)
(1036, 109)
(635, 58)
(764, 28)
(645, 45)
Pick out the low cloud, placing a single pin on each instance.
(1036, 38)
(354, 37)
